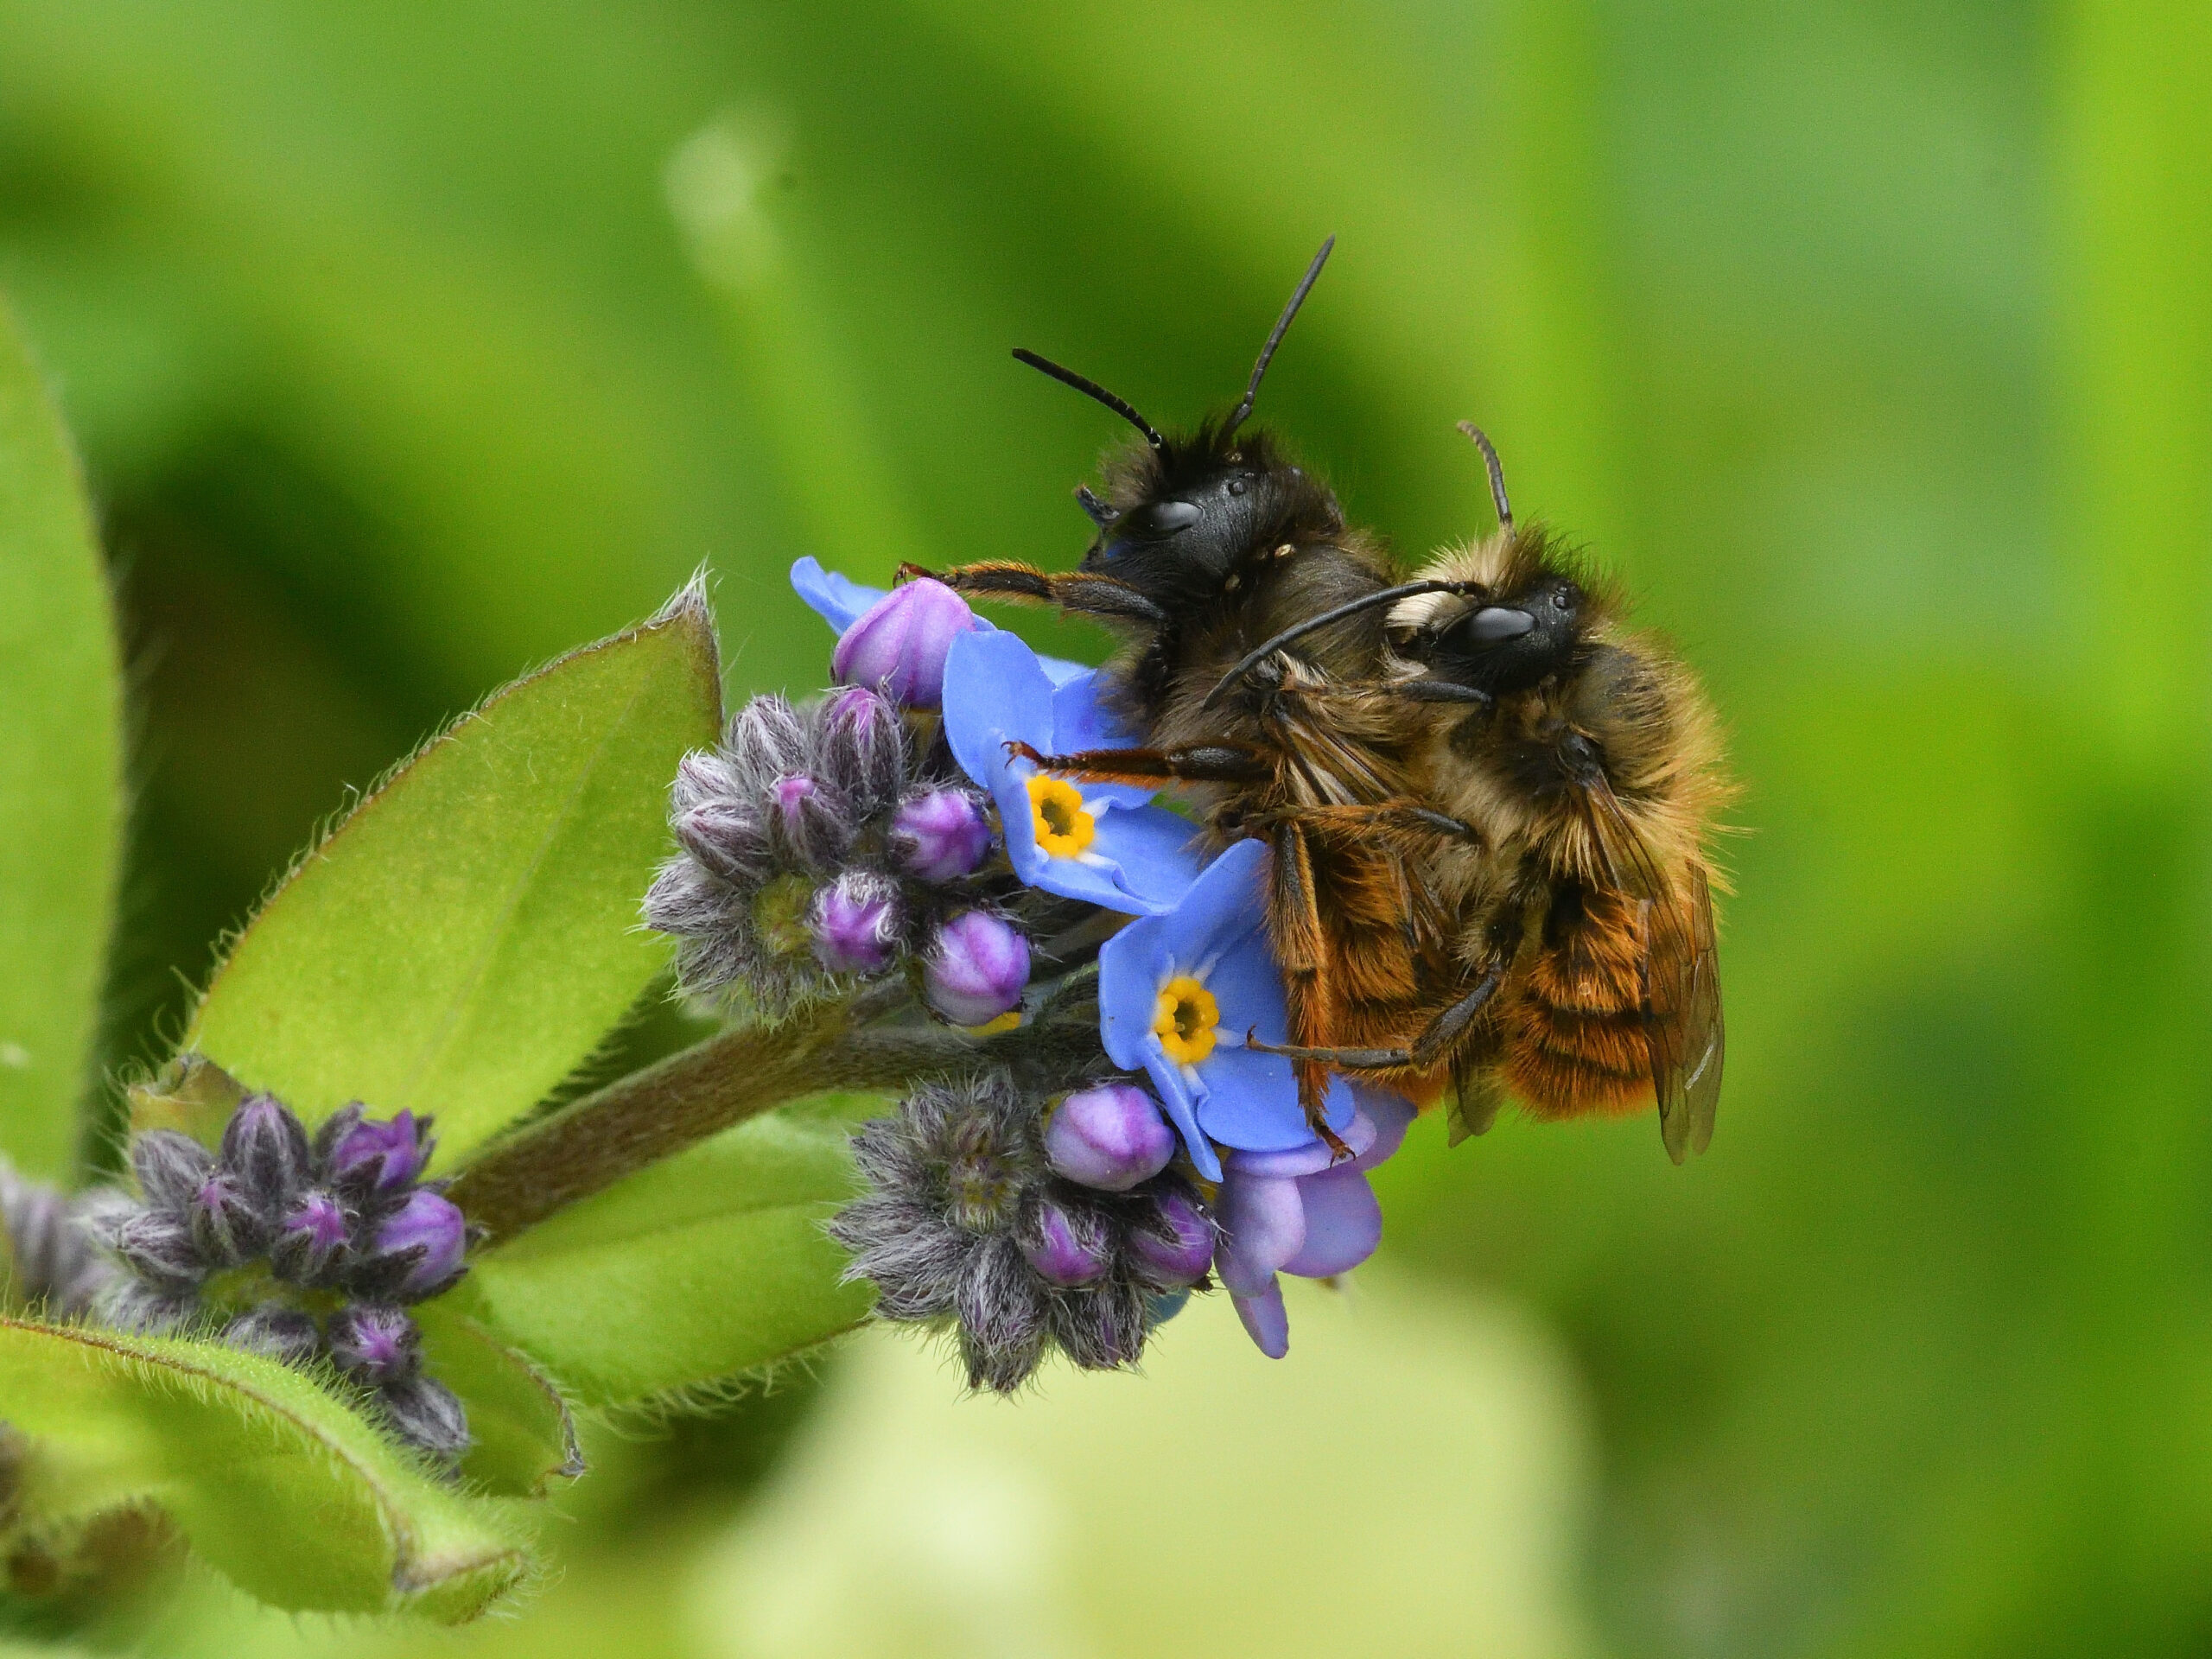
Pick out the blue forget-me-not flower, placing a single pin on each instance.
(1103, 843)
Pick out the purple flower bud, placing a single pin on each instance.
(767, 738)
(855, 923)
(376, 1344)
(807, 821)
(225, 1227)
(862, 748)
(265, 1152)
(417, 1249)
(312, 1237)
(942, 835)
(703, 777)
(1180, 1249)
(1067, 1249)
(381, 1153)
(278, 1332)
(159, 1247)
(426, 1414)
(1112, 1136)
(977, 969)
(169, 1167)
(791, 794)
(726, 839)
(1100, 1331)
(130, 1303)
(899, 645)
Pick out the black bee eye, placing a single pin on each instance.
(1236, 486)
(1165, 517)
(1563, 600)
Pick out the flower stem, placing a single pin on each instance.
(655, 1113)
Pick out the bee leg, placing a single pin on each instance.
(1435, 1040)
(1301, 946)
(1081, 591)
(1341, 1060)
(1450, 1026)
(1387, 814)
(1412, 690)
(1211, 763)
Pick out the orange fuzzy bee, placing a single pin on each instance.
(1486, 798)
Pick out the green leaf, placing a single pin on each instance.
(468, 936)
(60, 774)
(274, 1480)
(191, 1094)
(697, 1270)
(524, 1436)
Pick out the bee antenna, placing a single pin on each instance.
(1282, 326)
(1497, 474)
(1252, 659)
(1092, 389)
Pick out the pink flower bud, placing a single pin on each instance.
(855, 923)
(375, 1344)
(942, 835)
(382, 1154)
(314, 1233)
(977, 969)
(432, 1234)
(1055, 1247)
(899, 645)
(1112, 1137)
(1184, 1255)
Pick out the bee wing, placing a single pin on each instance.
(1684, 1033)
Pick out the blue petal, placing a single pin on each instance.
(1168, 1305)
(996, 691)
(1243, 1098)
(1080, 720)
(841, 602)
(1251, 1101)
(1060, 670)
(1175, 1098)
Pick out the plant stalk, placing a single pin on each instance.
(653, 1114)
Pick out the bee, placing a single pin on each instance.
(1586, 763)
(1484, 813)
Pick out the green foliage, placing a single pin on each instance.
(1867, 342)
(275, 1481)
(524, 1439)
(468, 935)
(59, 774)
(686, 1275)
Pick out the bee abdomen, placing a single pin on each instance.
(1574, 1027)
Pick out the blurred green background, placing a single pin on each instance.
(409, 346)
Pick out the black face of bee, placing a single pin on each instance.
(1513, 643)
(1208, 509)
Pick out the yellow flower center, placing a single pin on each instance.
(1064, 828)
(1184, 1020)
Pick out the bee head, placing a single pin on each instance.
(1180, 514)
(1510, 642)
(1181, 520)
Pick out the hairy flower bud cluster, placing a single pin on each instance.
(818, 845)
(1022, 1237)
(53, 1266)
(297, 1247)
